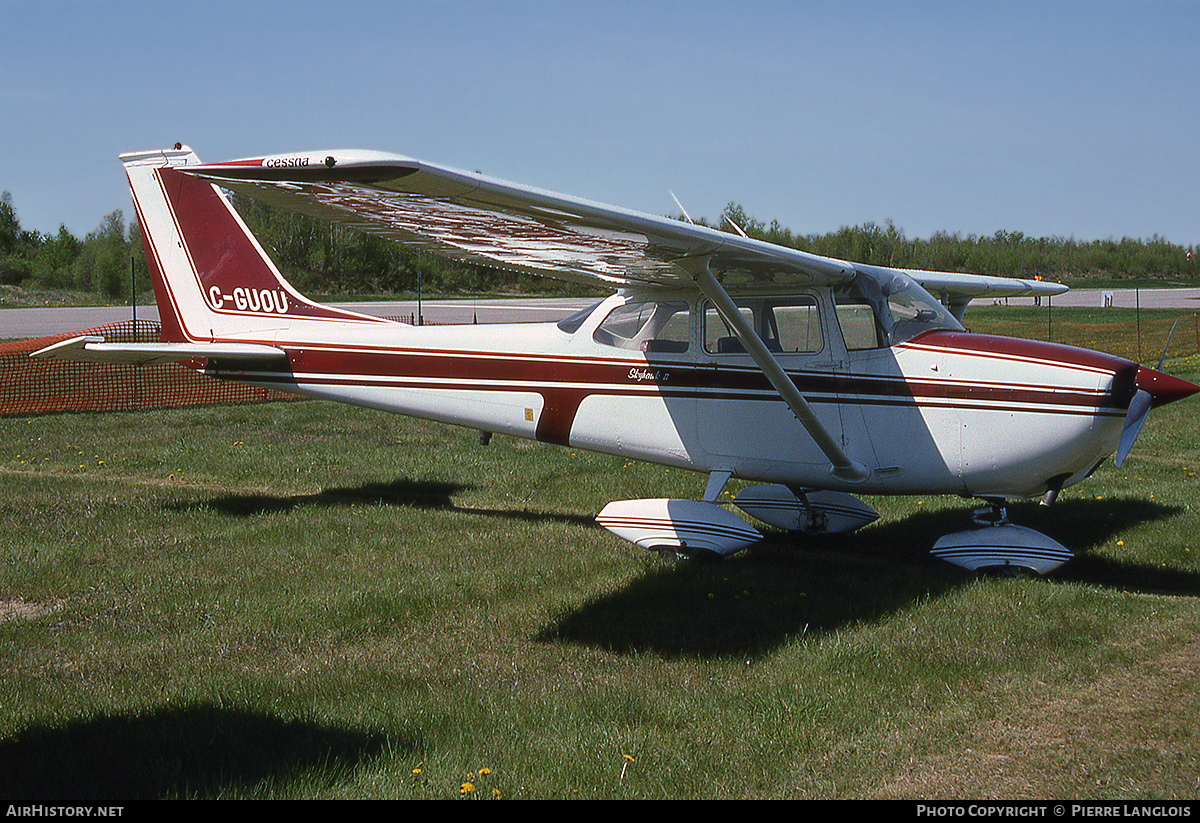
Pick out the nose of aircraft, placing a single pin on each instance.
(1153, 388)
(1163, 388)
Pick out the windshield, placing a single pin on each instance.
(888, 309)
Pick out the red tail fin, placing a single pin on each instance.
(212, 280)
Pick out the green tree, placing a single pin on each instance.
(54, 265)
(10, 227)
(17, 246)
(103, 261)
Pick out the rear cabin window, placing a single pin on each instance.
(647, 326)
(571, 323)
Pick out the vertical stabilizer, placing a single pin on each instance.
(212, 280)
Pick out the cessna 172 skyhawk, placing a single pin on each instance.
(817, 378)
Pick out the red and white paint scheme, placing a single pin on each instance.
(716, 353)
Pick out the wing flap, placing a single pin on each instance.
(89, 349)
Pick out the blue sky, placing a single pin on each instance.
(1053, 118)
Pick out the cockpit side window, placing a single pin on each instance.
(794, 324)
(649, 326)
(862, 326)
(718, 335)
(785, 324)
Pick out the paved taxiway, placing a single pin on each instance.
(40, 322)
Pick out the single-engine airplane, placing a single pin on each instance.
(819, 379)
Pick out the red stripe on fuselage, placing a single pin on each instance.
(564, 382)
(1019, 350)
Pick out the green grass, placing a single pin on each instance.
(308, 600)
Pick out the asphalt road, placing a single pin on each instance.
(40, 322)
(1120, 298)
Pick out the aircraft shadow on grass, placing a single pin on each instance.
(785, 587)
(199, 751)
(790, 587)
(402, 492)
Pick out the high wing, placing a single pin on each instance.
(474, 218)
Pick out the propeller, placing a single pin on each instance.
(1153, 389)
(1139, 408)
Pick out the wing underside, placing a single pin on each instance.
(489, 222)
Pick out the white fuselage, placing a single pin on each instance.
(946, 412)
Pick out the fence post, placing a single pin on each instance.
(1137, 313)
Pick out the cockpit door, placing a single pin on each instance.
(743, 421)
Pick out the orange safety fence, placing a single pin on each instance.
(41, 386)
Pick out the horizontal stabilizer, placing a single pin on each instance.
(94, 350)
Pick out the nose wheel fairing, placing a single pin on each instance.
(998, 545)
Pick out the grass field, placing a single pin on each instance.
(308, 600)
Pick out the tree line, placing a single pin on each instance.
(101, 263)
(1005, 253)
(328, 259)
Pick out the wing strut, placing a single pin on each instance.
(843, 467)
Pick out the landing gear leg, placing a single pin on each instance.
(994, 514)
(818, 519)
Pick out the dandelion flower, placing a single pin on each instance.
(466, 788)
